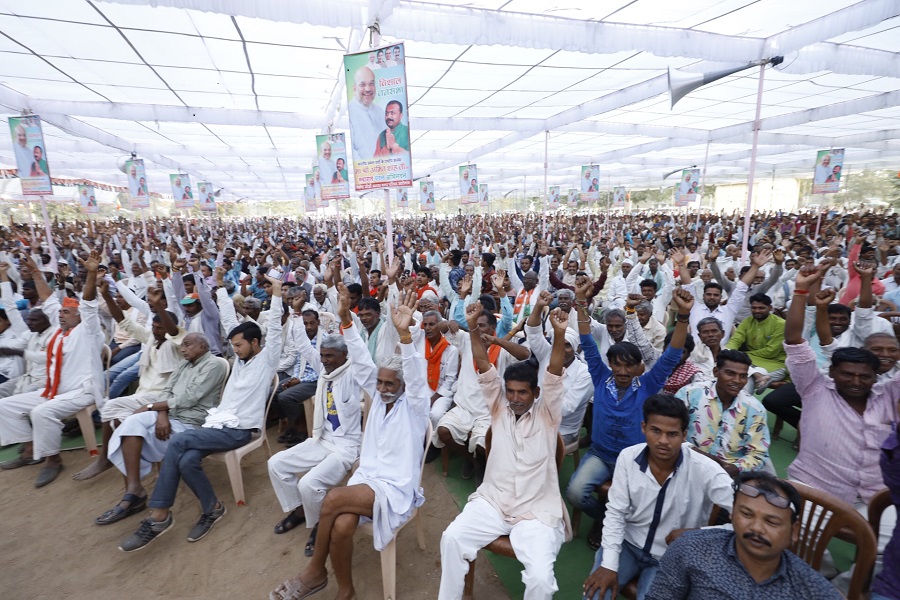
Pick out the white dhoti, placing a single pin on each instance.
(153, 449)
(463, 426)
(536, 546)
(390, 511)
(45, 425)
(119, 409)
(439, 409)
(324, 468)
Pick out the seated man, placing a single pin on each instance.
(728, 423)
(710, 334)
(325, 458)
(761, 336)
(753, 561)
(659, 488)
(887, 583)
(520, 495)
(300, 383)
(159, 352)
(385, 488)
(443, 365)
(240, 414)
(72, 383)
(577, 386)
(619, 393)
(846, 414)
(653, 329)
(142, 437)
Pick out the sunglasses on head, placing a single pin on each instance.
(771, 497)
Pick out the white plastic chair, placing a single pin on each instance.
(84, 416)
(389, 554)
(232, 458)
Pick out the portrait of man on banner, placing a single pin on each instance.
(426, 195)
(553, 197)
(619, 197)
(31, 155)
(137, 183)
(88, 199)
(590, 183)
(379, 121)
(468, 184)
(402, 198)
(829, 166)
(483, 198)
(181, 190)
(331, 159)
(688, 190)
(572, 197)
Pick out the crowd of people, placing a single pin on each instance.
(648, 339)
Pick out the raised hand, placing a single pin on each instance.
(683, 300)
(473, 311)
(464, 287)
(825, 297)
(559, 319)
(178, 264)
(778, 256)
(498, 279)
(343, 305)
(762, 257)
(543, 300)
(865, 269)
(677, 256)
(220, 276)
(156, 297)
(583, 289)
(808, 275)
(92, 263)
(402, 316)
(633, 300)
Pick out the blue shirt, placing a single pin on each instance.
(703, 565)
(617, 422)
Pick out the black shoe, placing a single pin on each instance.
(311, 542)
(205, 523)
(432, 454)
(146, 533)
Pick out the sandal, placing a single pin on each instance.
(290, 522)
(136, 504)
(287, 435)
(311, 542)
(295, 589)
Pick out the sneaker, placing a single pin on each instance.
(146, 533)
(205, 523)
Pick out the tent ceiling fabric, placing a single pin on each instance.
(233, 91)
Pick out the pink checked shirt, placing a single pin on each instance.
(841, 448)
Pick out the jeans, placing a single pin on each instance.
(182, 461)
(591, 472)
(633, 562)
(785, 402)
(879, 597)
(123, 353)
(123, 374)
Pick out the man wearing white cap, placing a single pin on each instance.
(618, 288)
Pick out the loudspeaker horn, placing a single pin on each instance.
(682, 83)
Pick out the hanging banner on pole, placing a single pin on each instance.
(590, 183)
(137, 183)
(619, 197)
(88, 199)
(402, 197)
(331, 150)
(688, 191)
(31, 155)
(483, 198)
(379, 124)
(827, 176)
(553, 198)
(468, 184)
(572, 198)
(426, 195)
(181, 190)
(309, 196)
(205, 198)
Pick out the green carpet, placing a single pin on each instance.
(68, 443)
(575, 559)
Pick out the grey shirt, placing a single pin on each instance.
(194, 388)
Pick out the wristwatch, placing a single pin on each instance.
(150, 406)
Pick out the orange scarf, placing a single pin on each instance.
(424, 289)
(433, 356)
(53, 385)
(493, 355)
(524, 299)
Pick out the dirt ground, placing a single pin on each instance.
(52, 549)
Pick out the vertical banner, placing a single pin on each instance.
(572, 198)
(827, 177)
(205, 198)
(426, 195)
(468, 184)
(317, 178)
(137, 183)
(619, 197)
(87, 199)
(689, 189)
(331, 153)
(31, 155)
(483, 197)
(590, 183)
(402, 197)
(181, 191)
(379, 123)
(309, 196)
(553, 197)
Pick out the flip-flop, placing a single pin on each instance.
(294, 589)
(136, 504)
(290, 522)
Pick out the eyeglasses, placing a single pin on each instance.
(771, 497)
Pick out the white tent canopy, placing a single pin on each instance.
(233, 91)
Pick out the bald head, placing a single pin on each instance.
(194, 346)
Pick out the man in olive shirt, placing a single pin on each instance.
(142, 438)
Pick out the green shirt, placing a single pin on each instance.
(194, 388)
(401, 135)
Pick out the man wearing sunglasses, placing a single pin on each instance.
(753, 561)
